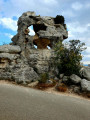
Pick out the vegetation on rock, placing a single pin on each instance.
(68, 57)
(43, 78)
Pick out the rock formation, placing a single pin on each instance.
(21, 61)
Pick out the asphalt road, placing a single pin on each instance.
(20, 103)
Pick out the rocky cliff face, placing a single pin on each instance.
(21, 61)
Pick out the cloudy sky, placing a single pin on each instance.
(76, 13)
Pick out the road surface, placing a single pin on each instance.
(21, 103)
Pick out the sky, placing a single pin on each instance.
(76, 13)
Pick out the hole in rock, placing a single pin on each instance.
(32, 32)
(35, 46)
(48, 47)
(38, 27)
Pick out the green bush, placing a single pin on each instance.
(68, 58)
(59, 19)
(43, 78)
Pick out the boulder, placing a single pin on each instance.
(76, 89)
(75, 79)
(33, 84)
(65, 79)
(85, 73)
(61, 76)
(85, 85)
(10, 49)
(49, 82)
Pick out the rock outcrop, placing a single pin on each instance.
(75, 79)
(21, 61)
(85, 85)
(85, 72)
(48, 31)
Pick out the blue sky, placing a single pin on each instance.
(76, 13)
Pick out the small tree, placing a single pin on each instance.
(68, 57)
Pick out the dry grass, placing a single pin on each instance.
(62, 87)
(44, 86)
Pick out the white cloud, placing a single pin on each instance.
(86, 62)
(9, 23)
(88, 25)
(70, 35)
(77, 6)
(8, 35)
(50, 1)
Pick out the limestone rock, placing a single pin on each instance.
(47, 28)
(65, 78)
(25, 75)
(75, 79)
(4, 63)
(40, 59)
(21, 59)
(5, 76)
(9, 56)
(49, 81)
(77, 89)
(85, 73)
(33, 84)
(85, 85)
(10, 49)
(61, 76)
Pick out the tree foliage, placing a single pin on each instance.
(68, 57)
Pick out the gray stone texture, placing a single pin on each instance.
(85, 72)
(85, 85)
(75, 79)
(21, 61)
(10, 49)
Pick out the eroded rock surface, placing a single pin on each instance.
(48, 30)
(21, 61)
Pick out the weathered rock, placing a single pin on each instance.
(49, 31)
(10, 49)
(56, 79)
(75, 79)
(23, 61)
(85, 85)
(76, 89)
(4, 63)
(61, 76)
(65, 78)
(49, 82)
(85, 73)
(9, 56)
(33, 84)
(40, 59)
(25, 75)
(5, 76)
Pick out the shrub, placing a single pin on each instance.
(43, 78)
(59, 19)
(62, 87)
(68, 57)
